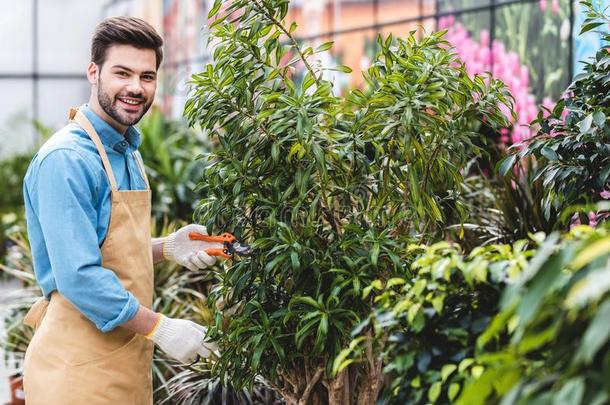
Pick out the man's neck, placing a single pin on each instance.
(97, 109)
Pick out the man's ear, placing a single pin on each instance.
(93, 73)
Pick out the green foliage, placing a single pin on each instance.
(329, 190)
(555, 316)
(12, 172)
(426, 321)
(19, 267)
(572, 153)
(180, 294)
(196, 386)
(501, 209)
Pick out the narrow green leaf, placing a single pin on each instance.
(325, 46)
(375, 253)
(571, 392)
(215, 8)
(588, 27)
(434, 392)
(596, 336)
(342, 68)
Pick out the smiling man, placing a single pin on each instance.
(88, 217)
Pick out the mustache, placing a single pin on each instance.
(132, 95)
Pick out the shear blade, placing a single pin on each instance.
(241, 249)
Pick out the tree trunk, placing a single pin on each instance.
(368, 393)
(338, 389)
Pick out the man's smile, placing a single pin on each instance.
(130, 103)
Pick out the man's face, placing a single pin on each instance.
(126, 83)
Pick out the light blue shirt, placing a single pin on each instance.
(67, 205)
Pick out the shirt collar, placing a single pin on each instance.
(110, 136)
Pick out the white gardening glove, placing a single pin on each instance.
(189, 253)
(182, 340)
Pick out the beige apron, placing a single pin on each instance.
(69, 361)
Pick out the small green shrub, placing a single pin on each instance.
(426, 321)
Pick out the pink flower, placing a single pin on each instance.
(575, 221)
(477, 57)
(592, 219)
(504, 135)
(484, 38)
(542, 4)
(555, 6)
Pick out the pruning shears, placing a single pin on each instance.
(230, 244)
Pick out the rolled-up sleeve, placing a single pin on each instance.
(64, 198)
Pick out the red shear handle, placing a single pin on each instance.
(225, 237)
(218, 252)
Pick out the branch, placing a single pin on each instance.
(291, 399)
(292, 40)
(369, 350)
(310, 385)
(238, 109)
(429, 165)
(293, 384)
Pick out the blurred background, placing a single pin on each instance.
(532, 45)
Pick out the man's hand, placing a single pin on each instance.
(178, 247)
(181, 340)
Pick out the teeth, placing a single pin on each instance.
(132, 102)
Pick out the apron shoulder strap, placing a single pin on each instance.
(141, 166)
(81, 119)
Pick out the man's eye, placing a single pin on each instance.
(122, 74)
(148, 78)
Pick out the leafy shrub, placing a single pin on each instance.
(328, 190)
(571, 148)
(555, 317)
(426, 321)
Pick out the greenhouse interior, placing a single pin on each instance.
(305, 202)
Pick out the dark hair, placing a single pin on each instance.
(124, 31)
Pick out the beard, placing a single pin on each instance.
(114, 110)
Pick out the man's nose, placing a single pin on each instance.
(135, 86)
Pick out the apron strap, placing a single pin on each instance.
(81, 119)
(142, 170)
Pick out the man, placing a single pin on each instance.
(88, 216)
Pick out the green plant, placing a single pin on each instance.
(571, 151)
(200, 386)
(555, 317)
(18, 265)
(12, 172)
(329, 190)
(501, 209)
(427, 319)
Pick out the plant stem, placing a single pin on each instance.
(293, 41)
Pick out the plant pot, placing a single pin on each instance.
(17, 393)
